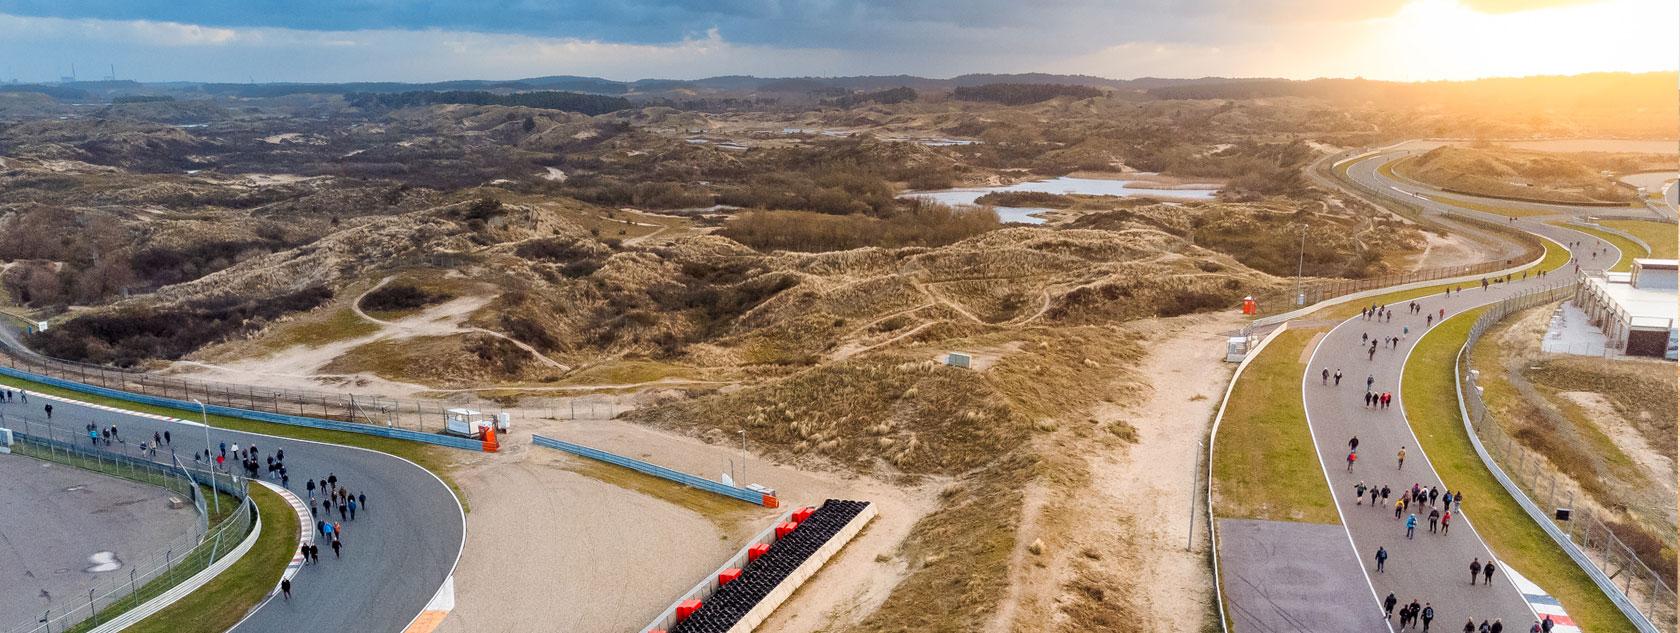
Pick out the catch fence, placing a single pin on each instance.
(1646, 596)
(151, 575)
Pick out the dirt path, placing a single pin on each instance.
(444, 320)
(1145, 492)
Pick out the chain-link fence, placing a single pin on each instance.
(1310, 291)
(1526, 475)
(423, 416)
(151, 575)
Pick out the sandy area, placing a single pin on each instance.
(616, 557)
(299, 367)
(1149, 489)
(1447, 250)
(1127, 527)
(1656, 466)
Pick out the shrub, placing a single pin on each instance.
(922, 224)
(401, 296)
(128, 337)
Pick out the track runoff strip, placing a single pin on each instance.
(306, 529)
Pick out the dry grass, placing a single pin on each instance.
(334, 324)
(1538, 176)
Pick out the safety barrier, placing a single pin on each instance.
(1472, 410)
(745, 494)
(1213, 434)
(260, 416)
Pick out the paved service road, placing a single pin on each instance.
(396, 555)
(1430, 568)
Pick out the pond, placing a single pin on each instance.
(1063, 185)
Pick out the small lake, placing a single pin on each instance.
(1063, 185)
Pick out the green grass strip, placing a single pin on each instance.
(1265, 465)
(222, 602)
(1431, 400)
(432, 458)
(1662, 237)
(1556, 257)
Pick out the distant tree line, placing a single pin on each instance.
(1022, 94)
(548, 100)
(889, 96)
(141, 99)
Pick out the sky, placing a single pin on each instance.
(432, 40)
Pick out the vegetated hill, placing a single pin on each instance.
(1279, 239)
(1022, 94)
(547, 100)
(1544, 176)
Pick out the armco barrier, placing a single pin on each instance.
(260, 416)
(1469, 399)
(744, 494)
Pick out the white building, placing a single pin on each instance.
(1638, 310)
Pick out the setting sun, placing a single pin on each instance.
(1448, 39)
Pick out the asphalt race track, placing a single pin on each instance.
(1430, 567)
(397, 553)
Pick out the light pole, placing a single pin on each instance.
(743, 456)
(1300, 268)
(215, 497)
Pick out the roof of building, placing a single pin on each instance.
(1658, 264)
(1646, 307)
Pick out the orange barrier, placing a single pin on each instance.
(490, 444)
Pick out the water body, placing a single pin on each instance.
(1063, 185)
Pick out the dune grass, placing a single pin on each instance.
(1431, 402)
(1265, 465)
(342, 324)
(1661, 236)
(220, 604)
(1630, 249)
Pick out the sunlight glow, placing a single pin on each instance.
(1444, 39)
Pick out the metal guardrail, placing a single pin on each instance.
(370, 410)
(744, 494)
(1583, 531)
(154, 574)
(261, 416)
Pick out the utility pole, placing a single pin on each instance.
(215, 496)
(1195, 475)
(1300, 268)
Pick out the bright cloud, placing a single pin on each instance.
(631, 39)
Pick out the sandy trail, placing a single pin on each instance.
(1147, 490)
(445, 319)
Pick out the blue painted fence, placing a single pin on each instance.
(260, 416)
(744, 494)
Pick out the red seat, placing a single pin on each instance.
(687, 608)
(757, 550)
(728, 575)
